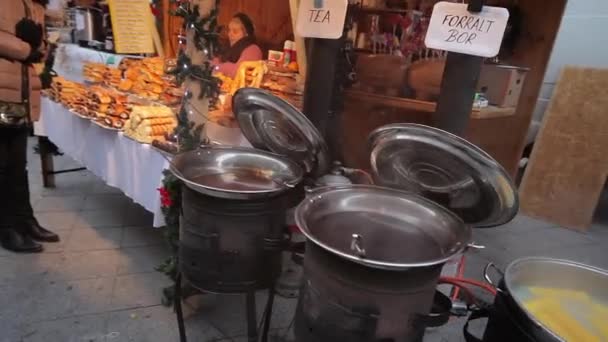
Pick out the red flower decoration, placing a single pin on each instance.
(165, 197)
(155, 11)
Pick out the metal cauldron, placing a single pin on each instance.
(510, 318)
(233, 212)
(235, 198)
(372, 262)
(374, 254)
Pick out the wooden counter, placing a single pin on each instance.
(365, 112)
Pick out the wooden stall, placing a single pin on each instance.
(501, 132)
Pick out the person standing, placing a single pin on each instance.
(21, 45)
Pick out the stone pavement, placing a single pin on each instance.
(99, 283)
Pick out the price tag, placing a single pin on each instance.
(454, 28)
(321, 18)
(79, 22)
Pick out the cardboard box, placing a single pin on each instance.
(502, 84)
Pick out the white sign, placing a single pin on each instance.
(321, 18)
(454, 28)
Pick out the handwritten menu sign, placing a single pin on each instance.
(321, 18)
(131, 24)
(454, 28)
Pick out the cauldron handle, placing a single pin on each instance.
(297, 252)
(440, 312)
(486, 275)
(476, 314)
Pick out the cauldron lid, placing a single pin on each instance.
(445, 169)
(272, 124)
(380, 227)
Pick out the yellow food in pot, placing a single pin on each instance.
(573, 315)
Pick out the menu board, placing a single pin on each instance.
(132, 26)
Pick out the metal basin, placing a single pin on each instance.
(381, 228)
(236, 172)
(524, 275)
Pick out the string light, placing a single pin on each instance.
(204, 33)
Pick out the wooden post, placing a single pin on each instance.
(320, 79)
(457, 92)
(300, 45)
(458, 87)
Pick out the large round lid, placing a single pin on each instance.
(380, 227)
(446, 169)
(236, 172)
(272, 124)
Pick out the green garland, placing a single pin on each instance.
(206, 29)
(188, 134)
(210, 85)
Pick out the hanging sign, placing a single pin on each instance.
(321, 18)
(132, 26)
(454, 28)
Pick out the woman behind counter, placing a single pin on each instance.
(243, 47)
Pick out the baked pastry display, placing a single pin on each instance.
(112, 77)
(146, 78)
(94, 72)
(149, 123)
(143, 77)
(285, 83)
(70, 94)
(249, 74)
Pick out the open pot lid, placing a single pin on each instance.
(272, 124)
(445, 169)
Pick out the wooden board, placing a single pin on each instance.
(133, 26)
(489, 112)
(540, 23)
(569, 164)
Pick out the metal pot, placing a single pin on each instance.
(236, 198)
(89, 25)
(509, 317)
(372, 262)
(374, 254)
(231, 246)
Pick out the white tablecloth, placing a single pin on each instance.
(134, 168)
(70, 58)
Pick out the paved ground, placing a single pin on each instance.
(99, 283)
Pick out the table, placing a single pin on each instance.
(134, 168)
(130, 166)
